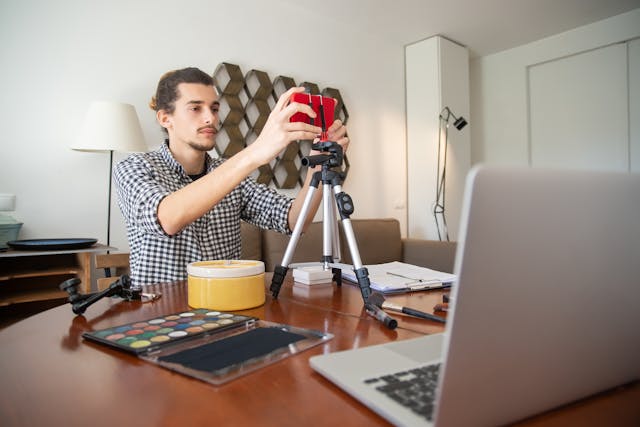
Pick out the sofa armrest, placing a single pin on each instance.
(432, 254)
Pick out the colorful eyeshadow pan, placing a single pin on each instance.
(105, 333)
(143, 336)
(140, 344)
(115, 337)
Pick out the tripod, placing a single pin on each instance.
(121, 288)
(332, 183)
(79, 302)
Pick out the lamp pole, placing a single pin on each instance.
(109, 200)
(441, 178)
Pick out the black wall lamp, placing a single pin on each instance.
(441, 180)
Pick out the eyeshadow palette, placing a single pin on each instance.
(212, 346)
(149, 335)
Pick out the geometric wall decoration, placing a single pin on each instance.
(246, 101)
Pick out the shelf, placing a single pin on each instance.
(28, 277)
(40, 273)
(10, 298)
(34, 287)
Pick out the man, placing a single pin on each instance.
(181, 205)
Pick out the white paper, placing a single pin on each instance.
(400, 277)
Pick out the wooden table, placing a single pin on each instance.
(49, 375)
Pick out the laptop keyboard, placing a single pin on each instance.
(414, 389)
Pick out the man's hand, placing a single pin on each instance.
(337, 132)
(278, 131)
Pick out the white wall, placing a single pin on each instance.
(500, 101)
(58, 56)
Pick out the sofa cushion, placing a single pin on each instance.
(308, 248)
(378, 241)
(251, 238)
(432, 254)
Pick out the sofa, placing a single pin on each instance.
(378, 241)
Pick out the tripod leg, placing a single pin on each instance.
(280, 271)
(337, 254)
(328, 227)
(345, 207)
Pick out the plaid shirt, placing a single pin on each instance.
(143, 180)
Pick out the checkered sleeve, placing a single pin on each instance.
(265, 207)
(139, 194)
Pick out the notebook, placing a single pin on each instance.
(545, 309)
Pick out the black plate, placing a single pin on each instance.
(51, 244)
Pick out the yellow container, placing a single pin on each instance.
(226, 285)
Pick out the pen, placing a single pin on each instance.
(413, 312)
(423, 283)
(404, 277)
(430, 285)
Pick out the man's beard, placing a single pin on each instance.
(202, 147)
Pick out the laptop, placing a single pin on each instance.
(545, 310)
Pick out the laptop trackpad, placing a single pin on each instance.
(421, 350)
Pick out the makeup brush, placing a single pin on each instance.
(377, 299)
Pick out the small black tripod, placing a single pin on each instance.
(79, 302)
(331, 181)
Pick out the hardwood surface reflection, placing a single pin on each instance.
(51, 376)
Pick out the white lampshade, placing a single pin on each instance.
(111, 126)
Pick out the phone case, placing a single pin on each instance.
(320, 104)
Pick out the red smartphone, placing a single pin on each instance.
(322, 105)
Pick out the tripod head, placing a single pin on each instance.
(334, 157)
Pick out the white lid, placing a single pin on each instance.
(225, 268)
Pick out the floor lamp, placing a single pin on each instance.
(441, 179)
(109, 127)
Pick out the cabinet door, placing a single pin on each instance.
(578, 109)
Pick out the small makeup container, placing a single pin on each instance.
(226, 285)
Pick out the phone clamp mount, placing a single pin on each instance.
(120, 288)
(332, 156)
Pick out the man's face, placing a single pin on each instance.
(194, 120)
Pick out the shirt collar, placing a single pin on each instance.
(173, 163)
